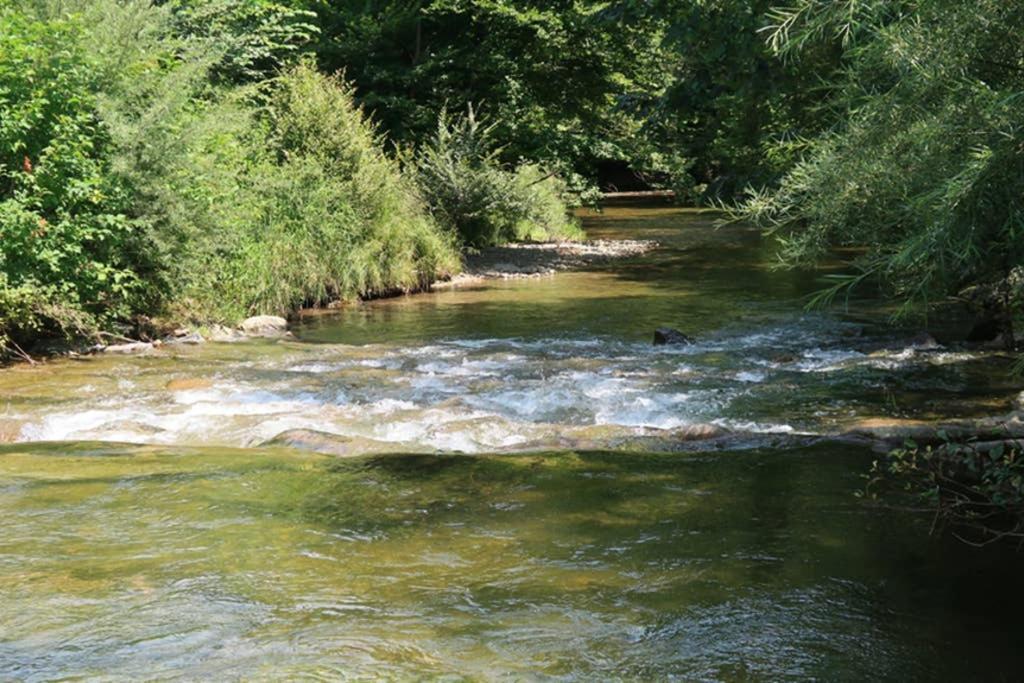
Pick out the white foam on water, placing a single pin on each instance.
(827, 360)
(753, 427)
(475, 395)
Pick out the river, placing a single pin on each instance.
(532, 503)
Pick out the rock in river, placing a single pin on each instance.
(131, 347)
(330, 444)
(668, 335)
(222, 334)
(264, 325)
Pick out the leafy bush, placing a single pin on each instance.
(253, 38)
(65, 240)
(135, 180)
(924, 165)
(472, 193)
(975, 487)
(333, 217)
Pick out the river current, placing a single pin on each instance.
(530, 502)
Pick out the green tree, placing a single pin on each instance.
(563, 81)
(922, 163)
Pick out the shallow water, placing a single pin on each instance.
(613, 554)
(553, 362)
(201, 563)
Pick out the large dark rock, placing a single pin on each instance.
(668, 335)
(987, 328)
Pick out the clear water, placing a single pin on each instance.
(146, 536)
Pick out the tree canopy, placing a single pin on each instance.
(142, 141)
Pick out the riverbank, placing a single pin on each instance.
(536, 259)
(511, 261)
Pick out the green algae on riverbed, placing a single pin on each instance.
(151, 562)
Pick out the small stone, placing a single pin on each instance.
(188, 384)
(133, 347)
(668, 335)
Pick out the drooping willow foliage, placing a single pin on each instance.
(922, 161)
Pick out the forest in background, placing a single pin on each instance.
(202, 160)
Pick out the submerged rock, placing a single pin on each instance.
(10, 430)
(187, 338)
(668, 335)
(924, 342)
(698, 432)
(331, 444)
(124, 426)
(131, 347)
(222, 334)
(264, 325)
(188, 384)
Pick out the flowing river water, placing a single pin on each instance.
(532, 500)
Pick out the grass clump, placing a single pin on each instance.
(332, 216)
(485, 203)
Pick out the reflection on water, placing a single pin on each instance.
(254, 564)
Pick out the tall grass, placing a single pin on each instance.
(137, 181)
(334, 217)
(472, 193)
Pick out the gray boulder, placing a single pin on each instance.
(264, 326)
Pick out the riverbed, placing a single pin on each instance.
(519, 484)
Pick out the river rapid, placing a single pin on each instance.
(529, 489)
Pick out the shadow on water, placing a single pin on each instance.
(573, 565)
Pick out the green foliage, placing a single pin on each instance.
(923, 163)
(975, 487)
(333, 217)
(135, 180)
(64, 237)
(471, 192)
(253, 37)
(733, 114)
(565, 82)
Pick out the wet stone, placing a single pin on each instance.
(667, 336)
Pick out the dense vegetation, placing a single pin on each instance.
(185, 156)
(184, 162)
(922, 160)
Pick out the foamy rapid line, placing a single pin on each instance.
(465, 395)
